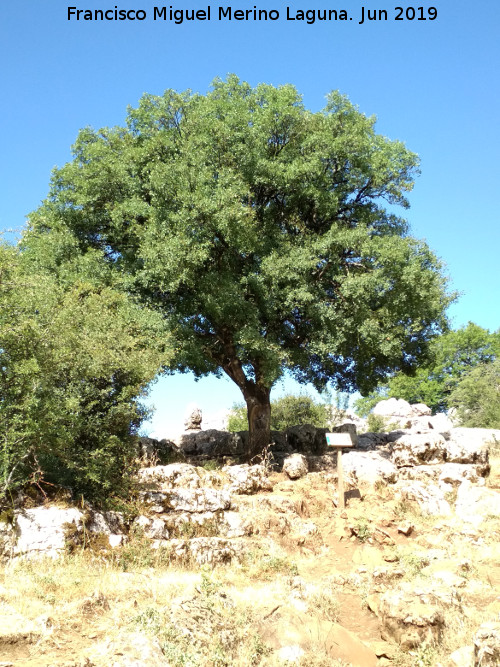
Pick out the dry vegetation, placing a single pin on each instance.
(112, 607)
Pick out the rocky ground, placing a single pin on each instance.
(243, 565)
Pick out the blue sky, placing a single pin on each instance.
(433, 84)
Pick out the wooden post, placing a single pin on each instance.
(340, 441)
(340, 482)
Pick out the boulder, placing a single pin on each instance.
(487, 645)
(211, 443)
(247, 479)
(127, 649)
(369, 468)
(475, 504)
(417, 448)
(193, 418)
(173, 475)
(203, 550)
(456, 473)
(462, 657)
(420, 410)
(307, 439)
(470, 445)
(409, 620)
(441, 423)
(370, 441)
(393, 407)
(152, 528)
(295, 466)
(152, 450)
(45, 531)
(430, 499)
(188, 500)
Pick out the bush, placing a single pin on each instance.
(287, 411)
(477, 397)
(75, 363)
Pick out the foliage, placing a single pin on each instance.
(74, 362)
(380, 424)
(286, 411)
(258, 229)
(477, 396)
(452, 356)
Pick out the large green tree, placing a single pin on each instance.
(261, 232)
(452, 356)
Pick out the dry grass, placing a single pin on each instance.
(198, 616)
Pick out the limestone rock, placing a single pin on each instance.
(175, 474)
(295, 466)
(43, 531)
(152, 528)
(211, 443)
(307, 439)
(247, 479)
(487, 645)
(475, 504)
(415, 449)
(152, 450)
(370, 441)
(441, 423)
(393, 407)
(369, 468)
(129, 649)
(456, 473)
(188, 500)
(203, 550)
(431, 499)
(420, 410)
(408, 620)
(193, 419)
(469, 445)
(462, 657)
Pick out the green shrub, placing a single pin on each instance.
(75, 361)
(287, 411)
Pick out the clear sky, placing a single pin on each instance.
(434, 84)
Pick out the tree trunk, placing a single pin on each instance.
(259, 419)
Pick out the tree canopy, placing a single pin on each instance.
(264, 234)
(452, 356)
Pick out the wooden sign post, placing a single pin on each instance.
(339, 441)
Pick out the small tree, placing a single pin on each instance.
(74, 363)
(286, 411)
(258, 229)
(452, 357)
(477, 396)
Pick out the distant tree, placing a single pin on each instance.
(453, 355)
(74, 364)
(258, 229)
(286, 411)
(476, 396)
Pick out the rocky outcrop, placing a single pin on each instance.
(211, 443)
(430, 499)
(475, 504)
(247, 479)
(307, 439)
(202, 550)
(487, 645)
(368, 468)
(415, 448)
(44, 531)
(411, 618)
